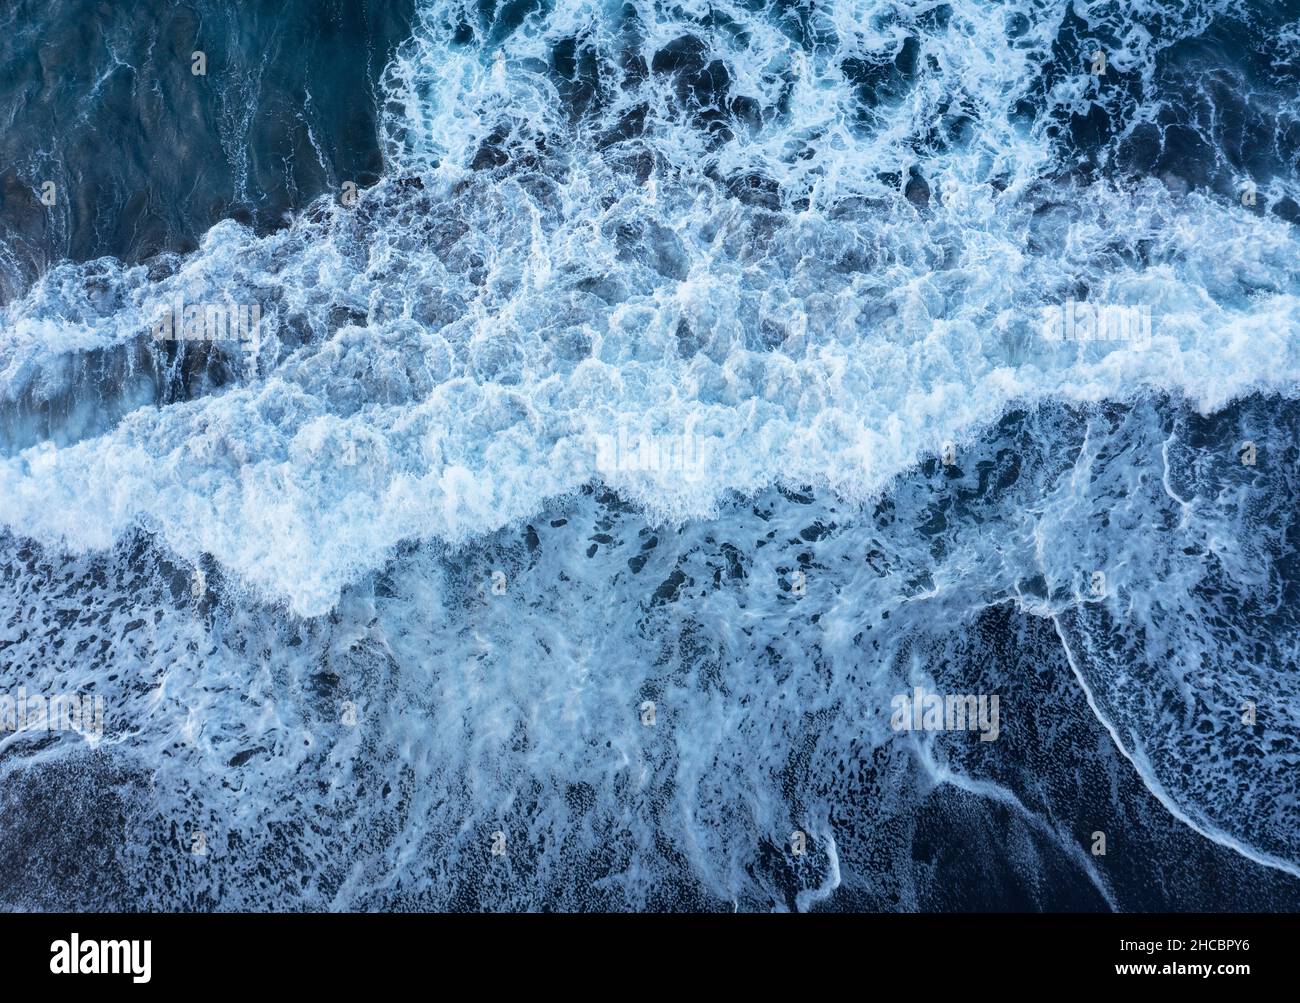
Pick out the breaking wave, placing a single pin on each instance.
(818, 238)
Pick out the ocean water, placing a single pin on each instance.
(646, 397)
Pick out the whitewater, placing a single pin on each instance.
(821, 237)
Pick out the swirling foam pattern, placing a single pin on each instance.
(821, 239)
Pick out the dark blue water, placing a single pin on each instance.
(644, 402)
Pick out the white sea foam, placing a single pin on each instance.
(445, 360)
(500, 687)
(828, 345)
